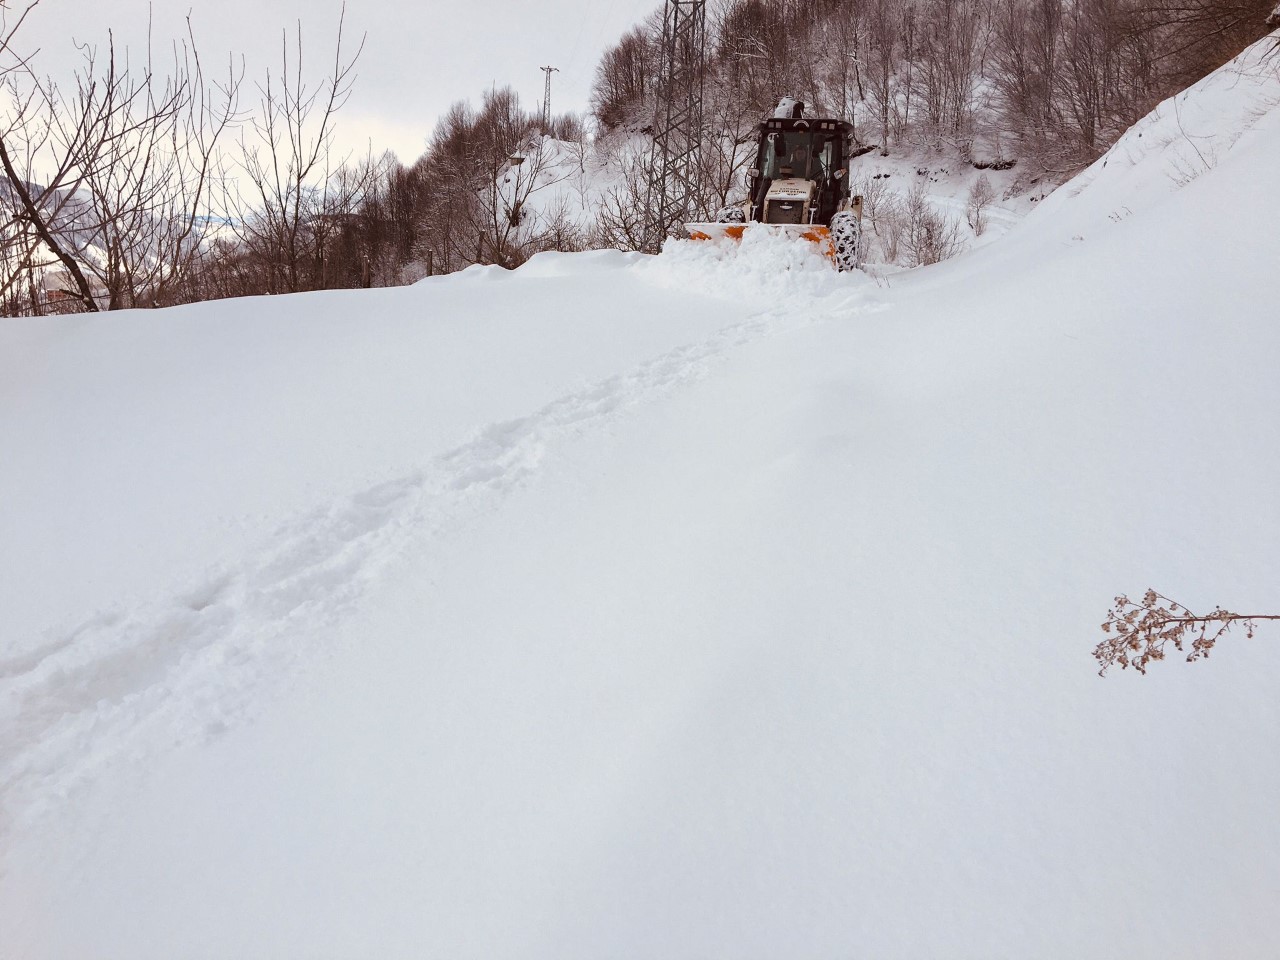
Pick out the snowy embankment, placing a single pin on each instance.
(676, 607)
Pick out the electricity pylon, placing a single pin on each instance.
(674, 181)
(546, 98)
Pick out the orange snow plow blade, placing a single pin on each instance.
(734, 231)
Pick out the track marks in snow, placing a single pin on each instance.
(130, 683)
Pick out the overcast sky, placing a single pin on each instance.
(418, 57)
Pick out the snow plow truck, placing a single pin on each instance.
(799, 185)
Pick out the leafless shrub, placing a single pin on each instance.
(980, 196)
(888, 227)
(917, 232)
(883, 216)
(620, 217)
(1138, 632)
(558, 230)
(567, 127)
(873, 189)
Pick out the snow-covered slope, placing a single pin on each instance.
(641, 607)
(1184, 138)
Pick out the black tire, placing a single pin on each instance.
(846, 237)
(731, 215)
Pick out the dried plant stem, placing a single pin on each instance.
(1139, 631)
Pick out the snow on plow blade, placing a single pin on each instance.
(734, 231)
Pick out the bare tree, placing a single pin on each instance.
(949, 55)
(1028, 50)
(147, 209)
(727, 151)
(36, 136)
(757, 46)
(113, 181)
(482, 171)
(842, 44)
(448, 214)
(622, 78)
(20, 251)
(509, 159)
(287, 159)
(1192, 37)
(884, 51)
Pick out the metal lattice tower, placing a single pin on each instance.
(674, 179)
(546, 98)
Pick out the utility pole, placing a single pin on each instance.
(674, 176)
(546, 98)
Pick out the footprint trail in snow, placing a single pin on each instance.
(125, 684)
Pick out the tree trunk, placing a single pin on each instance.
(41, 228)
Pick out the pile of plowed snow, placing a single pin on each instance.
(765, 266)
(705, 605)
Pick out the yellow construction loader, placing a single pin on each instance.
(799, 185)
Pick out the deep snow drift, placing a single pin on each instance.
(678, 606)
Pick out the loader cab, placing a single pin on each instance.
(798, 154)
(801, 170)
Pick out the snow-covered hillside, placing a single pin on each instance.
(704, 605)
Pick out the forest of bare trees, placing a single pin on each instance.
(1056, 80)
(151, 181)
(154, 180)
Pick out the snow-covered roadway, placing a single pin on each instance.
(704, 605)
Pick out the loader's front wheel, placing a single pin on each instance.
(846, 237)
